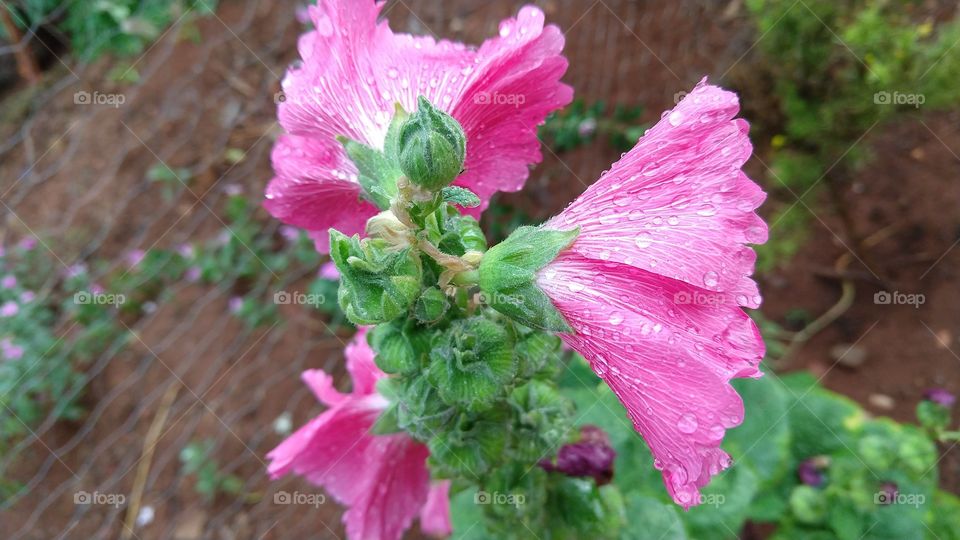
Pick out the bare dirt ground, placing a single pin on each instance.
(78, 173)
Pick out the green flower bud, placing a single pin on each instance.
(432, 147)
(377, 283)
(472, 362)
(431, 306)
(470, 448)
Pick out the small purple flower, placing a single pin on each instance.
(236, 303)
(97, 290)
(887, 494)
(192, 275)
(27, 243)
(592, 457)
(588, 127)
(810, 472)
(9, 281)
(9, 309)
(232, 190)
(9, 350)
(940, 396)
(186, 251)
(75, 270)
(135, 257)
(27, 296)
(328, 270)
(290, 234)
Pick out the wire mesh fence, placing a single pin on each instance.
(76, 151)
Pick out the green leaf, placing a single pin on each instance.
(661, 521)
(377, 174)
(431, 306)
(508, 276)
(460, 196)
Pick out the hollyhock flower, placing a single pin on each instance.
(499, 92)
(591, 457)
(653, 284)
(382, 479)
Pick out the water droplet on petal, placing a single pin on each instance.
(675, 118)
(643, 240)
(504, 31)
(687, 423)
(615, 319)
(673, 220)
(393, 73)
(710, 279)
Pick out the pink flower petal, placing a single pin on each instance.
(678, 204)
(307, 194)
(363, 370)
(382, 479)
(435, 516)
(397, 484)
(669, 360)
(500, 93)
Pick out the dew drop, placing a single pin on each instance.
(675, 118)
(643, 240)
(393, 73)
(687, 423)
(710, 279)
(575, 287)
(504, 31)
(673, 220)
(615, 319)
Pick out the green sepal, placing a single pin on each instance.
(508, 276)
(377, 282)
(431, 147)
(471, 363)
(545, 420)
(378, 175)
(431, 306)
(471, 446)
(536, 352)
(460, 196)
(395, 352)
(453, 232)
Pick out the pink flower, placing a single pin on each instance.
(9, 309)
(192, 275)
(653, 284)
(27, 244)
(9, 281)
(355, 69)
(27, 296)
(382, 479)
(135, 257)
(328, 270)
(9, 350)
